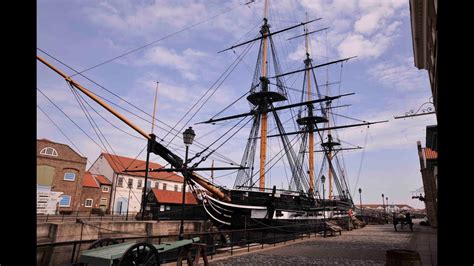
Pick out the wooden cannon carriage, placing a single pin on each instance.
(110, 252)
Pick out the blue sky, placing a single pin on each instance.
(383, 76)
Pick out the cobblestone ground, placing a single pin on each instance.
(366, 246)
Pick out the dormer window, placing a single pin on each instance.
(49, 151)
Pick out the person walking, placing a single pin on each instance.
(395, 221)
(349, 221)
(409, 221)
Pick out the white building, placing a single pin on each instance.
(125, 183)
(388, 207)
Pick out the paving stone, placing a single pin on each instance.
(366, 246)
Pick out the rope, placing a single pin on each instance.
(361, 160)
(154, 42)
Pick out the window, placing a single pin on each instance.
(148, 184)
(130, 183)
(139, 184)
(65, 201)
(164, 186)
(175, 187)
(157, 185)
(168, 207)
(162, 208)
(44, 175)
(105, 189)
(103, 202)
(69, 176)
(88, 203)
(49, 151)
(120, 182)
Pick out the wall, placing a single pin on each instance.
(120, 194)
(60, 232)
(96, 194)
(102, 167)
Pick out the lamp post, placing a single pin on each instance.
(323, 179)
(188, 137)
(128, 200)
(383, 202)
(360, 200)
(388, 205)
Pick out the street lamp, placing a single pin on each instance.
(360, 198)
(188, 137)
(128, 200)
(323, 179)
(383, 202)
(388, 205)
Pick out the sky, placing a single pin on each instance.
(185, 37)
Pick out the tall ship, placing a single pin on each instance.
(302, 203)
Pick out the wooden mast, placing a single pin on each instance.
(328, 105)
(195, 177)
(94, 97)
(310, 111)
(154, 108)
(263, 129)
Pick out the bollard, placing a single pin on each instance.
(231, 243)
(403, 257)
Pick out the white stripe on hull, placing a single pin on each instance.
(236, 205)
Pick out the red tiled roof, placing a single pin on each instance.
(176, 197)
(103, 180)
(118, 164)
(89, 181)
(430, 154)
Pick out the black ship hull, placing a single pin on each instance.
(273, 212)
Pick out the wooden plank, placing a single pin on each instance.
(107, 253)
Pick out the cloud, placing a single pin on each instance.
(140, 18)
(186, 62)
(368, 34)
(368, 23)
(400, 75)
(362, 47)
(397, 134)
(146, 18)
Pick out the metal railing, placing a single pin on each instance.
(227, 241)
(191, 213)
(86, 216)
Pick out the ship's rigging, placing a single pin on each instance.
(267, 96)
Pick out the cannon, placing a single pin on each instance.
(110, 252)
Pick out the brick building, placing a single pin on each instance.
(429, 175)
(60, 169)
(95, 193)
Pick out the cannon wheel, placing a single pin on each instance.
(103, 242)
(140, 254)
